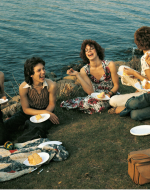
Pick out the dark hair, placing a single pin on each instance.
(99, 50)
(29, 68)
(142, 38)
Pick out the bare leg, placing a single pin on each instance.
(119, 109)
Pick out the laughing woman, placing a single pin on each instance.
(38, 96)
(96, 76)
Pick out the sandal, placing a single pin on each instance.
(112, 110)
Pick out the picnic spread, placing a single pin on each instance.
(12, 161)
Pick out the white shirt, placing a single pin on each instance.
(30, 86)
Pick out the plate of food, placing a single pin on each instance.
(39, 118)
(36, 159)
(121, 73)
(144, 85)
(2, 101)
(140, 130)
(100, 96)
(49, 142)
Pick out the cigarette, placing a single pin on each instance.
(33, 170)
(40, 171)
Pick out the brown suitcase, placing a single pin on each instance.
(139, 166)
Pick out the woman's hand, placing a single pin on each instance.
(147, 59)
(53, 118)
(4, 97)
(72, 72)
(108, 95)
(128, 71)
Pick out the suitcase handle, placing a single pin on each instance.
(136, 155)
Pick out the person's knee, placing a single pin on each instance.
(113, 101)
(134, 115)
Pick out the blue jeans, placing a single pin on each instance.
(138, 107)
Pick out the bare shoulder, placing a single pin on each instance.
(1, 75)
(112, 65)
(82, 71)
(51, 84)
(21, 89)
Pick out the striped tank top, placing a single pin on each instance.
(36, 100)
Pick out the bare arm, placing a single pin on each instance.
(2, 93)
(83, 78)
(114, 76)
(136, 74)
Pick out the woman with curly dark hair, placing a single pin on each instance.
(97, 75)
(136, 104)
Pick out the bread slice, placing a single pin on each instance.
(34, 159)
(125, 74)
(38, 117)
(101, 95)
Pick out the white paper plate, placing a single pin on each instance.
(140, 130)
(43, 155)
(44, 118)
(49, 142)
(2, 101)
(139, 86)
(94, 95)
(120, 73)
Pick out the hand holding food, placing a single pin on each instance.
(127, 71)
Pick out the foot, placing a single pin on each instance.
(116, 110)
(119, 109)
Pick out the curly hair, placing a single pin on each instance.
(99, 50)
(142, 38)
(29, 68)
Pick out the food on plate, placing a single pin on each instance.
(145, 84)
(34, 159)
(125, 74)
(38, 117)
(101, 95)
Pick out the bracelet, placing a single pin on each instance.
(111, 93)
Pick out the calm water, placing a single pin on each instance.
(55, 29)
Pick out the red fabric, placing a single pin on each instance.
(12, 151)
(12, 171)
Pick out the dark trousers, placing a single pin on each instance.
(30, 130)
(2, 129)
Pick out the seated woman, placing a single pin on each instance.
(142, 40)
(2, 96)
(38, 96)
(96, 76)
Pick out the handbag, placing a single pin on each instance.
(139, 166)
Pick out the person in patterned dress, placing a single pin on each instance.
(97, 75)
(38, 96)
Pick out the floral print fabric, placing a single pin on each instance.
(89, 104)
(144, 65)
